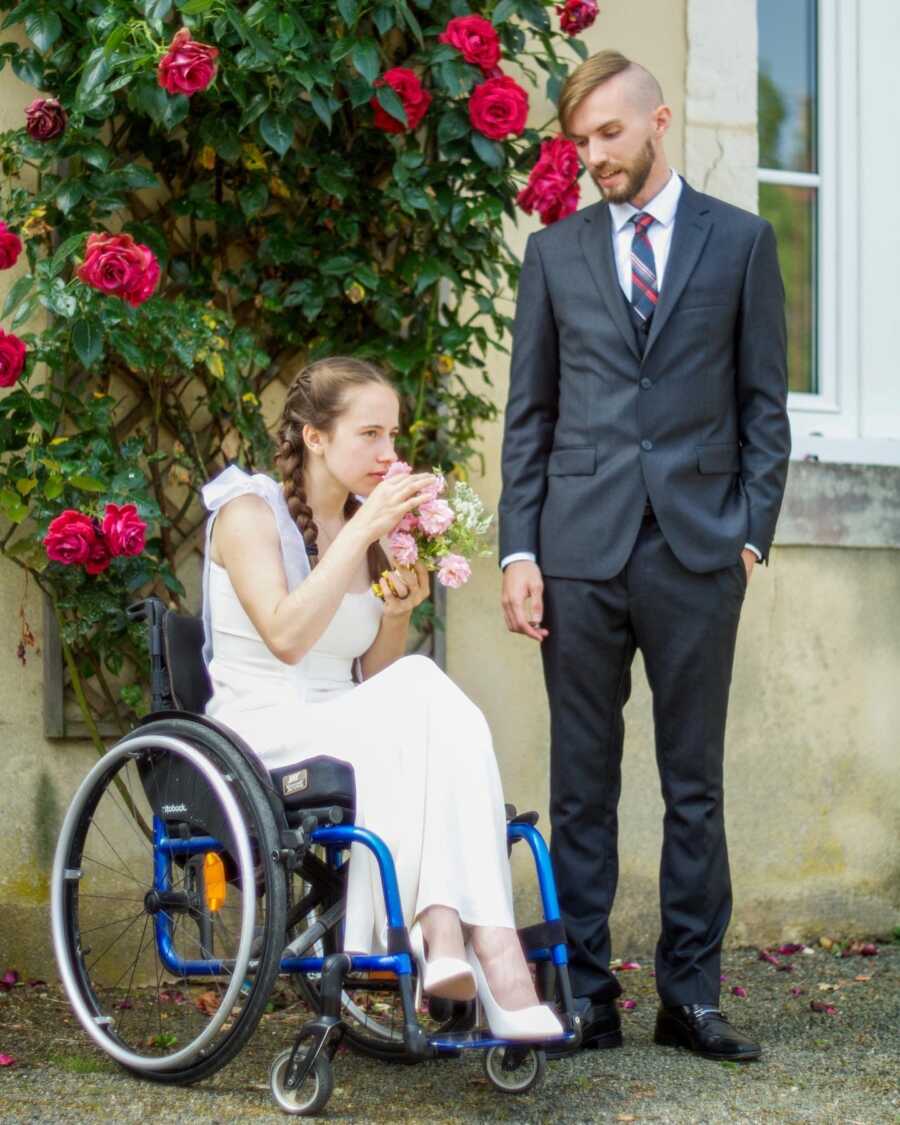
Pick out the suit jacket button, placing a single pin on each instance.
(648, 445)
(646, 383)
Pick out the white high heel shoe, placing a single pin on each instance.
(533, 1024)
(449, 977)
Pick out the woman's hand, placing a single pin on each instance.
(388, 502)
(404, 589)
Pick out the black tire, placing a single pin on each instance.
(201, 1039)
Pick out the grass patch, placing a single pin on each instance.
(82, 1064)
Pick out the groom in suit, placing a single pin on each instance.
(644, 461)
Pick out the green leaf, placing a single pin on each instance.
(489, 151)
(157, 10)
(384, 18)
(53, 488)
(411, 22)
(70, 192)
(196, 7)
(348, 10)
(328, 180)
(452, 126)
(43, 29)
(503, 11)
(97, 155)
(253, 198)
(87, 340)
(29, 66)
(18, 292)
(44, 413)
(322, 109)
(365, 58)
(579, 47)
(96, 70)
(390, 102)
(116, 37)
(277, 130)
(65, 250)
(87, 484)
(13, 508)
(337, 266)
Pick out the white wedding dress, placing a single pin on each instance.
(426, 778)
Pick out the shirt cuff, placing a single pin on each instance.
(519, 556)
(755, 550)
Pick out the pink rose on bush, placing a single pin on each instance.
(117, 265)
(188, 66)
(415, 98)
(45, 119)
(10, 247)
(70, 538)
(498, 108)
(12, 358)
(124, 530)
(403, 548)
(576, 15)
(475, 38)
(552, 188)
(453, 571)
(435, 516)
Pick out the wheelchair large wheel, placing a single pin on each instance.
(169, 901)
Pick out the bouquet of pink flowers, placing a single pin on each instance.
(442, 533)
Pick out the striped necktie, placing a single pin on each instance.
(644, 291)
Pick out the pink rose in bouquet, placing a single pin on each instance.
(441, 532)
(187, 67)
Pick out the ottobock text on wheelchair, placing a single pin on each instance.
(185, 869)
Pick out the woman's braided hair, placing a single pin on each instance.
(317, 397)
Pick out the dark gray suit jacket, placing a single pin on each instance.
(698, 423)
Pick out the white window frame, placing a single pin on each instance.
(826, 425)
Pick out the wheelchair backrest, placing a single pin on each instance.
(178, 676)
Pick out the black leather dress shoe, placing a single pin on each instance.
(601, 1027)
(703, 1029)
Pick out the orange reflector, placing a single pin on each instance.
(213, 882)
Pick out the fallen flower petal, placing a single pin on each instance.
(630, 965)
(795, 991)
(123, 1005)
(723, 976)
(769, 958)
(9, 978)
(869, 949)
(862, 977)
(628, 1005)
(789, 949)
(7, 1060)
(820, 1006)
(740, 992)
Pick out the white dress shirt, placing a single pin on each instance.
(662, 207)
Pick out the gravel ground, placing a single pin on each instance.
(839, 1067)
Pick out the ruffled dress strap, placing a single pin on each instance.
(233, 482)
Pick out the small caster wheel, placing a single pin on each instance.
(310, 1097)
(514, 1070)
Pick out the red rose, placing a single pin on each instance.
(552, 188)
(71, 538)
(124, 530)
(416, 100)
(576, 15)
(10, 247)
(476, 38)
(187, 67)
(117, 265)
(498, 107)
(99, 557)
(12, 358)
(45, 119)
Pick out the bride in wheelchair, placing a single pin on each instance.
(304, 659)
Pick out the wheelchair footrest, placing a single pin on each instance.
(542, 935)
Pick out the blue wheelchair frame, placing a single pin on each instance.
(337, 838)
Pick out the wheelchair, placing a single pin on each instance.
(190, 884)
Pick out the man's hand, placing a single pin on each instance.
(522, 583)
(750, 561)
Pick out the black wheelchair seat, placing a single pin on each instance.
(180, 683)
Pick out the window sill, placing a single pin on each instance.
(834, 504)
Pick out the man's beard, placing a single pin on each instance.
(635, 174)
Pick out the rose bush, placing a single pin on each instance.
(204, 196)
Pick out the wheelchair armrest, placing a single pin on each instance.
(525, 818)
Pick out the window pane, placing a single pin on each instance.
(787, 84)
(792, 212)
